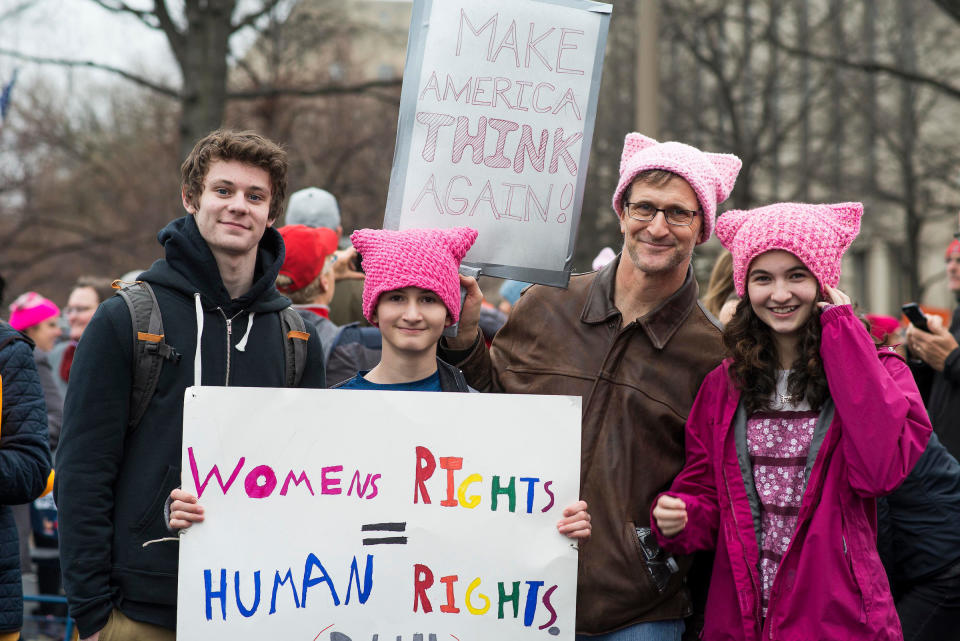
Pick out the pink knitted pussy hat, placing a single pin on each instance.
(30, 309)
(816, 234)
(424, 258)
(711, 176)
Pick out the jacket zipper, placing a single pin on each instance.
(229, 322)
(753, 580)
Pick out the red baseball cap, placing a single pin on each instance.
(307, 249)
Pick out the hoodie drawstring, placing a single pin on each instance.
(242, 345)
(197, 367)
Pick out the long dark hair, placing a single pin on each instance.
(754, 371)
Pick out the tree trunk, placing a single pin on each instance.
(907, 59)
(203, 63)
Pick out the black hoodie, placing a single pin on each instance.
(111, 483)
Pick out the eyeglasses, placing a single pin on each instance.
(78, 310)
(646, 212)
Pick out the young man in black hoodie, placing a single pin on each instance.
(221, 315)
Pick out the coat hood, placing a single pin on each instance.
(189, 267)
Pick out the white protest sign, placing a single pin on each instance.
(496, 118)
(341, 515)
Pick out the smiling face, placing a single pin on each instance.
(782, 291)
(411, 319)
(45, 333)
(81, 306)
(233, 210)
(656, 247)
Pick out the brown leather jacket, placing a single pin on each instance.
(637, 383)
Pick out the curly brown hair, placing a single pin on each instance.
(244, 146)
(754, 371)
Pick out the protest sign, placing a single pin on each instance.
(496, 118)
(341, 515)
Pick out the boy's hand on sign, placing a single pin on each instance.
(469, 315)
(671, 515)
(184, 510)
(575, 523)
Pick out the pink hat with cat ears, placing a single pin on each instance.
(711, 176)
(816, 234)
(424, 258)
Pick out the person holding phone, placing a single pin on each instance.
(938, 369)
(791, 439)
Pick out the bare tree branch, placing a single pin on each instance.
(146, 17)
(324, 90)
(872, 66)
(16, 9)
(175, 37)
(951, 7)
(143, 82)
(251, 18)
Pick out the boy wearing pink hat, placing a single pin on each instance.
(411, 292)
(790, 441)
(633, 342)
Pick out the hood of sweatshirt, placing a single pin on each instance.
(189, 267)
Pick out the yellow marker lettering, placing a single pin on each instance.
(474, 500)
(486, 602)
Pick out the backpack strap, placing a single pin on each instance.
(149, 348)
(295, 337)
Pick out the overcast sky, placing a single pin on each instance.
(80, 30)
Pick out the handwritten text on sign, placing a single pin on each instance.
(501, 111)
(343, 514)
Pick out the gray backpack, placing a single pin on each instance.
(150, 350)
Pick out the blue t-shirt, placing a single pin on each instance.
(428, 384)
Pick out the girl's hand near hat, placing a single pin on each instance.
(836, 298)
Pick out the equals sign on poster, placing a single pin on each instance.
(383, 528)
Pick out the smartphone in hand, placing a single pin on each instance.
(913, 312)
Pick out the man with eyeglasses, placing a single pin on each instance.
(938, 375)
(633, 342)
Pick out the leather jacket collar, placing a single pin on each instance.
(659, 324)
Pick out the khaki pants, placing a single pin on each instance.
(122, 628)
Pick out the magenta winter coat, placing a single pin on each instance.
(830, 584)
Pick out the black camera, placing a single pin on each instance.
(660, 564)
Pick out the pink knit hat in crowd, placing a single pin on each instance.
(816, 234)
(710, 175)
(424, 258)
(953, 248)
(30, 309)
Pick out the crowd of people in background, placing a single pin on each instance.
(766, 458)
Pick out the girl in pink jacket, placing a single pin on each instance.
(790, 439)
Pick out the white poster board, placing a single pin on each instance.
(496, 119)
(354, 514)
